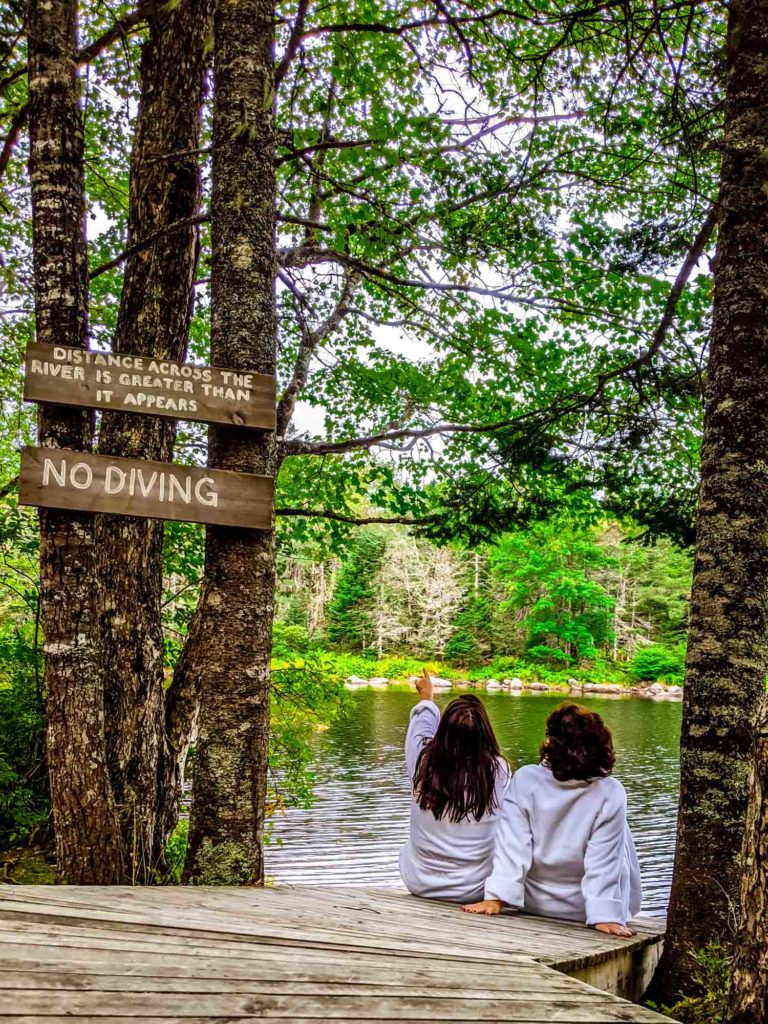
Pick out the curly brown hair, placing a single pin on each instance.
(577, 744)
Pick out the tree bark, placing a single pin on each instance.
(182, 708)
(153, 320)
(85, 818)
(748, 1002)
(232, 637)
(726, 664)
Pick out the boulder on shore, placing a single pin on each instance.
(493, 684)
(538, 686)
(441, 684)
(357, 681)
(604, 687)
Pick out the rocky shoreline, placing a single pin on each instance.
(653, 691)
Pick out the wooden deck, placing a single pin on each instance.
(197, 955)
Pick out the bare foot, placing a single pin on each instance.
(611, 928)
(483, 907)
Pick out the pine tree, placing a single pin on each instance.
(350, 613)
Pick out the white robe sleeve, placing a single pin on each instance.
(513, 849)
(425, 718)
(635, 882)
(604, 862)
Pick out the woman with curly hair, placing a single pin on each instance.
(563, 847)
(458, 778)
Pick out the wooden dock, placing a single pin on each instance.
(198, 955)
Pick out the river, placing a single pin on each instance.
(351, 834)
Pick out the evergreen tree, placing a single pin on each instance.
(350, 613)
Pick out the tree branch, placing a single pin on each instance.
(381, 28)
(571, 404)
(297, 446)
(303, 222)
(693, 256)
(89, 53)
(201, 218)
(313, 255)
(119, 30)
(314, 513)
(311, 340)
(322, 147)
(294, 42)
(490, 127)
(14, 131)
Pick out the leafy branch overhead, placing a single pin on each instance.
(490, 223)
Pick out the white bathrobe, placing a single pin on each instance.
(447, 860)
(564, 849)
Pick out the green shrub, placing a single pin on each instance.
(307, 694)
(708, 999)
(175, 852)
(652, 663)
(551, 655)
(289, 640)
(24, 796)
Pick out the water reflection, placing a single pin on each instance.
(352, 833)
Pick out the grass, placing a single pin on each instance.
(28, 866)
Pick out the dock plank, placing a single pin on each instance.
(202, 955)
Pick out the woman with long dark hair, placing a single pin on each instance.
(563, 847)
(458, 778)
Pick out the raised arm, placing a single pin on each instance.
(425, 718)
(604, 862)
(512, 854)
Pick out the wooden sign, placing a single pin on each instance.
(140, 384)
(59, 478)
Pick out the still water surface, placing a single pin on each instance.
(352, 833)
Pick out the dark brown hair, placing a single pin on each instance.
(456, 772)
(577, 744)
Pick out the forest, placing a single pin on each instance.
(498, 277)
(555, 596)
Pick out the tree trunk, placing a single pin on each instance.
(153, 320)
(182, 706)
(85, 818)
(748, 1003)
(726, 665)
(233, 630)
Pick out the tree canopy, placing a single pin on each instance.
(486, 219)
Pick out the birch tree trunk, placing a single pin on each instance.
(153, 320)
(85, 818)
(726, 665)
(231, 635)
